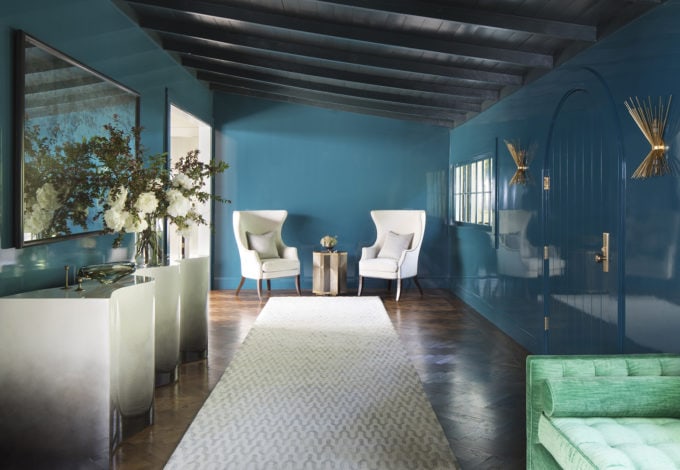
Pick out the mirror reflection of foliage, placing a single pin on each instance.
(58, 189)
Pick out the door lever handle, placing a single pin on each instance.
(603, 258)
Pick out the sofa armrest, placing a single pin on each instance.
(629, 396)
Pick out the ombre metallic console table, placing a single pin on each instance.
(329, 274)
(76, 372)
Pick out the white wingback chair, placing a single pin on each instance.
(394, 255)
(262, 251)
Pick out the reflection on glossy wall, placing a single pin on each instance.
(103, 38)
(589, 146)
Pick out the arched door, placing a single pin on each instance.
(581, 204)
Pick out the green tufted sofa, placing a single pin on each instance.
(603, 412)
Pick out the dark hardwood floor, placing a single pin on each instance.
(471, 371)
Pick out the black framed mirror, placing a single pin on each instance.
(60, 106)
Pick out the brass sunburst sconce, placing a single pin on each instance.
(522, 158)
(652, 121)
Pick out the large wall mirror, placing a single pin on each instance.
(61, 105)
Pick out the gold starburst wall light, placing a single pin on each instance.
(522, 158)
(652, 121)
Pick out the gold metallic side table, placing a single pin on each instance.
(329, 274)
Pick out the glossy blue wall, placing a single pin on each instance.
(97, 34)
(639, 298)
(328, 169)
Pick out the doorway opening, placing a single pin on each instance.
(188, 133)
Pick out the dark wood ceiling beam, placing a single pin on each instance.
(439, 102)
(188, 42)
(246, 90)
(259, 43)
(463, 94)
(264, 85)
(358, 33)
(478, 17)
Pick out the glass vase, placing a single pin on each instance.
(149, 244)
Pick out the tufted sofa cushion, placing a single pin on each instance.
(612, 443)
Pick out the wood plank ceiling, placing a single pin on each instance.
(433, 61)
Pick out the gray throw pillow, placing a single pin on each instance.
(395, 244)
(264, 244)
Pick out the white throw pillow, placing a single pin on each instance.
(264, 244)
(394, 244)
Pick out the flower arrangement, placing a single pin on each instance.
(107, 177)
(143, 191)
(329, 242)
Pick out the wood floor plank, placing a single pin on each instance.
(472, 373)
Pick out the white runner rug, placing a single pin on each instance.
(319, 383)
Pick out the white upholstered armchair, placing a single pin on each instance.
(394, 255)
(262, 251)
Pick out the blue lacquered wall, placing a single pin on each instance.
(329, 169)
(641, 299)
(100, 36)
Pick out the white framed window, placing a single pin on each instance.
(473, 192)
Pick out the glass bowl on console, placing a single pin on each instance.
(107, 273)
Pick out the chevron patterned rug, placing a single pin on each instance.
(319, 383)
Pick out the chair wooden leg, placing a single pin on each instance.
(398, 290)
(259, 289)
(240, 284)
(415, 279)
(361, 285)
(297, 284)
(269, 285)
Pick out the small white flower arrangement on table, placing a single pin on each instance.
(329, 242)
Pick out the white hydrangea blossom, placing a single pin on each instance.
(37, 219)
(181, 180)
(115, 218)
(48, 197)
(189, 226)
(135, 225)
(146, 203)
(178, 204)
